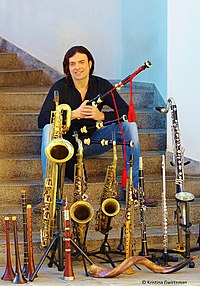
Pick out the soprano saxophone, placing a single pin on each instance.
(182, 198)
(131, 201)
(81, 211)
(109, 206)
(58, 152)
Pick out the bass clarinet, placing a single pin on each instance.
(182, 198)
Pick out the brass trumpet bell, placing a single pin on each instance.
(59, 150)
(81, 212)
(110, 207)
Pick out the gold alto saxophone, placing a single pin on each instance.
(81, 211)
(58, 152)
(109, 206)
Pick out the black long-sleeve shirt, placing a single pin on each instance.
(68, 94)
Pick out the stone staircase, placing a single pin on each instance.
(22, 92)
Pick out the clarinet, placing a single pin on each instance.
(24, 214)
(142, 211)
(100, 98)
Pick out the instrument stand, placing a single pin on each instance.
(105, 249)
(57, 243)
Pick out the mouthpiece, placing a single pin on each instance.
(148, 64)
(160, 109)
(140, 163)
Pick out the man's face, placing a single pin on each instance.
(79, 66)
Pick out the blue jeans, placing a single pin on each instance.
(131, 133)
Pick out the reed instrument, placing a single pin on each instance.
(164, 214)
(19, 277)
(58, 152)
(68, 270)
(142, 210)
(9, 273)
(131, 202)
(100, 124)
(31, 264)
(25, 235)
(182, 198)
(109, 206)
(81, 211)
(101, 97)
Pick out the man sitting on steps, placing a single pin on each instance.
(75, 89)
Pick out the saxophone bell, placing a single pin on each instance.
(110, 207)
(59, 150)
(81, 212)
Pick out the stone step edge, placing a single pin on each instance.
(152, 231)
(171, 203)
(96, 180)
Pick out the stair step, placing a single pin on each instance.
(27, 121)
(11, 189)
(95, 240)
(22, 143)
(8, 61)
(153, 215)
(22, 166)
(32, 98)
(30, 142)
(20, 77)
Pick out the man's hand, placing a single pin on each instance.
(88, 112)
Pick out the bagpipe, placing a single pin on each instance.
(101, 97)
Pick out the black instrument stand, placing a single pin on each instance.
(57, 241)
(105, 248)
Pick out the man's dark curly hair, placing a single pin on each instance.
(71, 52)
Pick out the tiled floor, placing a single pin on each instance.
(51, 276)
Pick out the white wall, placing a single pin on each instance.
(47, 28)
(183, 70)
(144, 37)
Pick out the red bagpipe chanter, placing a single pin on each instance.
(131, 113)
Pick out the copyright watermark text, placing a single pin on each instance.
(163, 282)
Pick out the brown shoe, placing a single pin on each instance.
(38, 208)
(150, 203)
